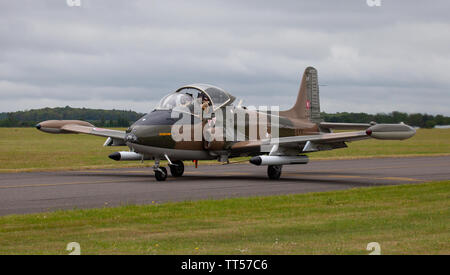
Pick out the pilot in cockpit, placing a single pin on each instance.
(204, 101)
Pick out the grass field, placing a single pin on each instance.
(406, 219)
(23, 149)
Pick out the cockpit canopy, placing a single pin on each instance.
(174, 100)
(185, 97)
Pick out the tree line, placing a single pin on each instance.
(118, 118)
(100, 118)
(416, 119)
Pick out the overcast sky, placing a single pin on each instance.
(128, 54)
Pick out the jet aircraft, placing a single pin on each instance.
(281, 138)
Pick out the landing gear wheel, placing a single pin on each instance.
(177, 169)
(161, 174)
(274, 171)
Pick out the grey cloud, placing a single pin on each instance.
(395, 57)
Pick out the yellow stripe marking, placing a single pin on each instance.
(306, 176)
(68, 183)
(165, 134)
(115, 172)
(216, 174)
(344, 176)
(399, 178)
(377, 168)
(292, 174)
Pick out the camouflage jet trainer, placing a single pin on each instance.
(200, 122)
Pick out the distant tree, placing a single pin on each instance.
(102, 121)
(100, 117)
(415, 120)
(117, 118)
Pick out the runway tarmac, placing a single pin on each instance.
(46, 191)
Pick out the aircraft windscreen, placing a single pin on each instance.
(218, 97)
(175, 100)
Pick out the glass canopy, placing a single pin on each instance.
(186, 95)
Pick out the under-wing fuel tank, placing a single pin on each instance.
(279, 160)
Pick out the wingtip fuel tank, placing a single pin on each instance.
(56, 126)
(391, 131)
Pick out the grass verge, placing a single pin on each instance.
(27, 150)
(405, 219)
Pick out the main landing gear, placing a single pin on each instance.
(177, 168)
(274, 171)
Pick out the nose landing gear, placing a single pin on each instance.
(161, 174)
(176, 169)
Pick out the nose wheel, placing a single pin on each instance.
(274, 171)
(161, 174)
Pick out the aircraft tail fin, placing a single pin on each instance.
(307, 105)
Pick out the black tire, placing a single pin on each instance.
(161, 175)
(274, 171)
(177, 169)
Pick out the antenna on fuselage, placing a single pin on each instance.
(240, 103)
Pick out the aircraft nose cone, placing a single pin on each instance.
(115, 156)
(256, 160)
(38, 126)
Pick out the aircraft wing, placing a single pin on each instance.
(94, 131)
(345, 126)
(115, 137)
(299, 144)
(311, 143)
(328, 141)
(321, 138)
